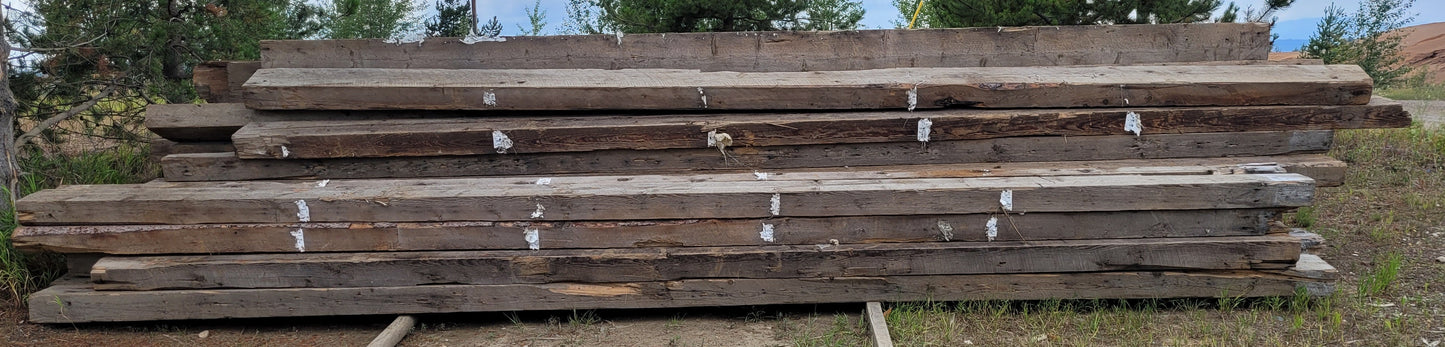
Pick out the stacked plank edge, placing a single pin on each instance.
(356, 177)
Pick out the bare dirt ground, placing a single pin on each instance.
(1432, 113)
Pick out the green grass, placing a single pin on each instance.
(1416, 88)
(22, 273)
(1379, 279)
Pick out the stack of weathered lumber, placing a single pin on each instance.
(577, 172)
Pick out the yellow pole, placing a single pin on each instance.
(915, 14)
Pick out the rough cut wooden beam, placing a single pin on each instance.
(897, 89)
(76, 302)
(160, 148)
(368, 237)
(878, 324)
(642, 198)
(474, 136)
(796, 50)
(225, 166)
(220, 81)
(387, 269)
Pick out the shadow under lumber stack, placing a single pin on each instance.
(359, 177)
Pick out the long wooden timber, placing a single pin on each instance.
(372, 237)
(160, 148)
(341, 270)
(74, 301)
(475, 136)
(226, 166)
(795, 50)
(643, 198)
(896, 89)
(220, 81)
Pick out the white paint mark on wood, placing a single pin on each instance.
(1006, 198)
(300, 236)
(1133, 124)
(767, 233)
(500, 141)
(991, 228)
(545, 181)
(703, 95)
(538, 212)
(285, 153)
(489, 98)
(946, 230)
(913, 98)
(303, 213)
(761, 176)
(322, 184)
(925, 129)
(401, 41)
(712, 138)
(533, 238)
(474, 38)
(776, 205)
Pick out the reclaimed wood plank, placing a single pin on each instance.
(795, 50)
(642, 198)
(160, 148)
(897, 89)
(370, 237)
(878, 325)
(227, 167)
(220, 81)
(387, 269)
(475, 136)
(76, 302)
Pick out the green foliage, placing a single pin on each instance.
(142, 51)
(1365, 38)
(987, 13)
(1382, 275)
(491, 29)
(453, 19)
(536, 19)
(654, 16)
(369, 19)
(22, 273)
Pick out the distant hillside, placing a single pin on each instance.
(1425, 49)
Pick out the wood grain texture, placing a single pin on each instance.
(222, 166)
(796, 50)
(342, 270)
(897, 89)
(76, 302)
(641, 198)
(878, 324)
(475, 136)
(220, 81)
(160, 148)
(369, 237)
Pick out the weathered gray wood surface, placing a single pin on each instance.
(223, 166)
(363, 237)
(160, 148)
(220, 81)
(76, 302)
(641, 198)
(797, 50)
(473, 136)
(897, 89)
(394, 332)
(387, 269)
(878, 325)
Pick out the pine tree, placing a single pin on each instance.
(452, 19)
(1331, 42)
(369, 19)
(1367, 38)
(652, 16)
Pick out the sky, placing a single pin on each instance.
(1296, 22)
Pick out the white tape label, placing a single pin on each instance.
(544, 181)
(761, 176)
(1006, 198)
(946, 230)
(489, 98)
(500, 141)
(912, 98)
(776, 205)
(300, 236)
(992, 228)
(303, 213)
(538, 212)
(533, 238)
(925, 129)
(285, 153)
(322, 184)
(1133, 124)
(767, 233)
(704, 97)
